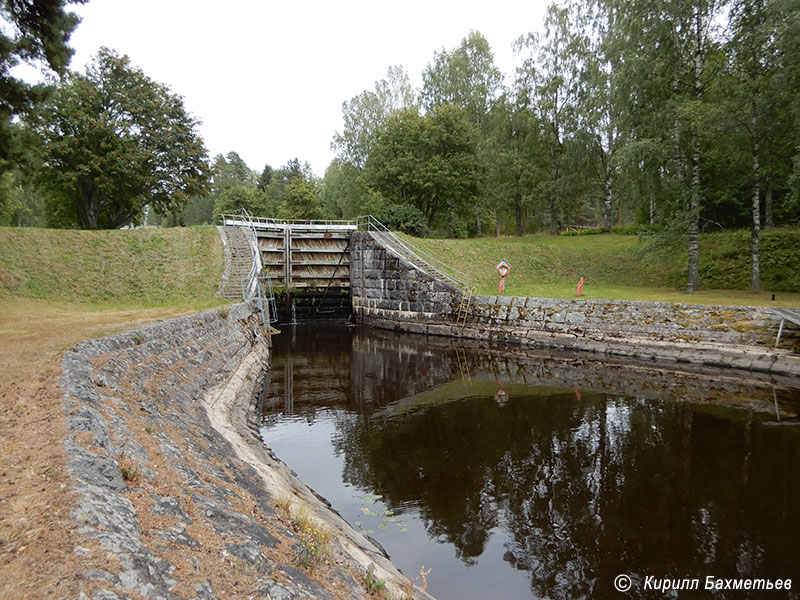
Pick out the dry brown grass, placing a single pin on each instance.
(37, 537)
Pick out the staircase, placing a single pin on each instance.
(240, 264)
(444, 273)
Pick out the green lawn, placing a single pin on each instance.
(622, 267)
(154, 267)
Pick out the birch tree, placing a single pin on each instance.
(551, 77)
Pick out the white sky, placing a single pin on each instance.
(268, 78)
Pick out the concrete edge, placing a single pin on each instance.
(229, 410)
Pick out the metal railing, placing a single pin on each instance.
(256, 267)
(255, 285)
(414, 254)
(266, 222)
(403, 248)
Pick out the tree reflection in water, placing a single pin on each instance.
(586, 481)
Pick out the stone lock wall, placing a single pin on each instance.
(389, 292)
(174, 483)
(386, 289)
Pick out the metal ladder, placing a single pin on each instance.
(463, 307)
(265, 304)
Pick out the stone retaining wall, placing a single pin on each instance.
(389, 292)
(194, 517)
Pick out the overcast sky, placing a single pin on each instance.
(268, 79)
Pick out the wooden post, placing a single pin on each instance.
(287, 264)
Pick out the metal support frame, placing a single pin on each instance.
(331, 278)
(263, 302)
(786, 314)
(399, 246)
(780, 331)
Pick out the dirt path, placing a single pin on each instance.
(37, 557)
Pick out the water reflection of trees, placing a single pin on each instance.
(586, 485)
(589, 488)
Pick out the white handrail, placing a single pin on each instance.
(411, 252)
(415, 254)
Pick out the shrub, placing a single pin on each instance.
(404, 217)
(585, 231)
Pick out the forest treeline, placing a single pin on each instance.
(678, 116)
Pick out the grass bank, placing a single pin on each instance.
(629, 267)
(59, 287)
(153, 267)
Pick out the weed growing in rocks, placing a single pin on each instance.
(129, 471)
(407, 585)
(284, 505)
(313, 546)
(372, 584)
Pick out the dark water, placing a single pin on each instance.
(550, 483)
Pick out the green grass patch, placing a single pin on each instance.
(629, 267)
(153, 267)
(547, 261)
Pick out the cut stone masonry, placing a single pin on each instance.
(389, 292)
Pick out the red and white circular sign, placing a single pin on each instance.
(503, 268)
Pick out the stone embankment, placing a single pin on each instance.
(174, 485)
(387, 291)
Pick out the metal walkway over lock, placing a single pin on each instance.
(311, 259)
(296, 254)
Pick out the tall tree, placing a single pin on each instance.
(551, 75)
(748, 48)
(665, 70)
(516, 163)
(116, 141)
(21, 204)
(754, 58)
(227, 171)
(430, 162)
(637, 44)
(785, 14)
(466, 78)
(343, 191)
(301, 200)
(601, 103)
(281, 178)
(265, 178)
(34, 32)
(364, 115)
(235, 197)
(231, 170)
(693, 28)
